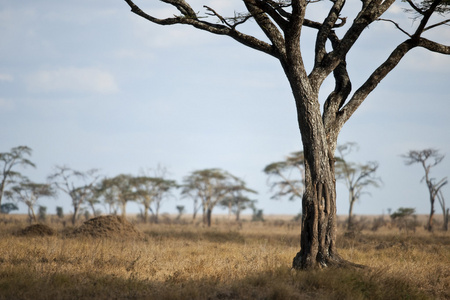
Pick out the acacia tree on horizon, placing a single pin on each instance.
(428, 158)
(282, 22)
(357, 177)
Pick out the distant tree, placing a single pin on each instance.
(180, 209)
(320, 119)
(404, 218)
(78, 185)
(237, 204)
(287, 177)
(445, 212)
(42, 213)
(151, 191)
(258, 214)
(428, 158)
(357, 177)
(119, 190)
(8, 162)
(92, 198)
(29, 193)
(210, 186)
(6, 208)
(197, 202)
(107, 192)
(60, 212)
(236, 201)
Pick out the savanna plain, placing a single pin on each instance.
(112, 258)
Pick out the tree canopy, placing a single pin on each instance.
(11, 160)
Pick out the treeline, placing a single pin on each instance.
(207, 188)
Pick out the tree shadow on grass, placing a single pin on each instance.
(280, 283)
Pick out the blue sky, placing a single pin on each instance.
(88, 84)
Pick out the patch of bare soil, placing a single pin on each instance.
(108, 227)
(36, 230)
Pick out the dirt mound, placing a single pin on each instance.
(108, 227)
(36, 230)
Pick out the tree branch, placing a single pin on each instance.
(266, 25)
(415, 7)
(433, 46)
(426, 17)
(396, 25)
(325, 29)
(275, 11)
(375, 78)
(193, 20)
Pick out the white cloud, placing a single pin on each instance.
(90, 80)
(6, 77)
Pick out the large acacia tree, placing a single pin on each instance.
(282, 22)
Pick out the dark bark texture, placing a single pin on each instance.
(282, 23)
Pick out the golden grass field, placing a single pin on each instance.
(227, 261)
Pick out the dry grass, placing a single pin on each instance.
(227, 261)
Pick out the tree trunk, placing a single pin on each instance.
(350, 212)
(208, 216)
(318, 234)
(31, 214)
(75, 214)
(93, 209)
(124, 211)
(2, 188)
(146, 207)
(430, 218)
(446, 219)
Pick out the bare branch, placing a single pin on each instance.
(396, 25)
(437, 24)
(417, 9)
(193, 20)
(238, 20)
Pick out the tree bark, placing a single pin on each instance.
(75, 214)
(446, 219)
(430, 218)
(146, 208)
(350, 211)
(208, 216)
(124, 211)
(318, 233)
(350, 217)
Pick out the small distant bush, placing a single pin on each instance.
(257, 215)
(405, 219)
(59, 212)
(378, 223)
(42, 213)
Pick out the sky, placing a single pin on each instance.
(88, 84)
